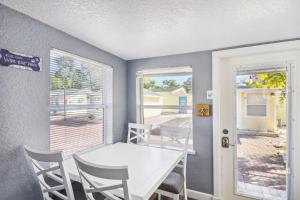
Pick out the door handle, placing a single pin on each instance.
(225, 142)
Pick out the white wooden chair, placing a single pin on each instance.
(175, 138)
(139, 133)
(87, 170)
(51, 158)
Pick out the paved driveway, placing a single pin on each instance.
(72, 135)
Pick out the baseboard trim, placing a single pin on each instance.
(199, 195)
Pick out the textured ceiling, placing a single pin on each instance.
(134, 29)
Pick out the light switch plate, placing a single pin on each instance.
(209, 94)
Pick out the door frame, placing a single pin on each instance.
(217, 57)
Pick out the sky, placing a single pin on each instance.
(241, 79)
(179, 79)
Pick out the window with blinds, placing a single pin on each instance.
(77, 102)
(257, 105)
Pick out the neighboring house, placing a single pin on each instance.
(172, 96)
(76, 102)
(260, 109)
(74, 97)
(167, 97)
(154, 99)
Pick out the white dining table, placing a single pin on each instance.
(147, 166)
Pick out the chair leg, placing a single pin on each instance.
(176, 197)
(46, 196)
(159, 196)
(184, 191)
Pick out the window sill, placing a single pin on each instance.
(191, 151)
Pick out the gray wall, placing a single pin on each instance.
(24, 95)
(200, 166)
(24, 99)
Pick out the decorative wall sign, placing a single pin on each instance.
(203, 110)
(20, 61)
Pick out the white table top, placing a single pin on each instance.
(147, 166)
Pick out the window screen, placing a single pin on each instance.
(77, 105)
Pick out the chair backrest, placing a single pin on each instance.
(55, 162)
(139, 133)
(88, 170)
(176, 138)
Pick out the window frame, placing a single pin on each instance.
(155, 72)
(107, 104)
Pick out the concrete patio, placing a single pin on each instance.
(261, 165)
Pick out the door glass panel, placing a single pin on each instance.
(261, 136)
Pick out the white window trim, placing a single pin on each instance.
(139, 92)
(108, 99)
(108, 112)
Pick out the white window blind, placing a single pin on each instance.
(78, 102)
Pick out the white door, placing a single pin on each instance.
(261, 160)
(255, 132)
(256, 124)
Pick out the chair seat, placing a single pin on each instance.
(98, 196)
(173, 183)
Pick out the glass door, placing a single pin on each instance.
(261, 133)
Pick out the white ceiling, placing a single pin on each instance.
(133, 29)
